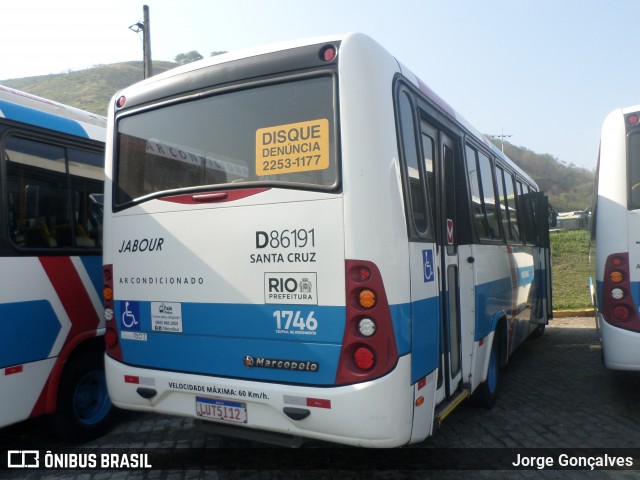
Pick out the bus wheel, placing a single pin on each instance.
(487, 392)
(84, 409)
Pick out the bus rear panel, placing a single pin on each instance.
(280, 254)
(617, 232)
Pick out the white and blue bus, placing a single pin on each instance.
(616, 229)
(307, 242)
(51, 313)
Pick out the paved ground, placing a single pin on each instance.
(555, 394)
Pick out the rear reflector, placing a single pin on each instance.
(13, 370)
(307, 401)
(318, 403)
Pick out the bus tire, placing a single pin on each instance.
(487, 392)
(84, 410)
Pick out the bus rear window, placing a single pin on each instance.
(634, 170)
(274, 134)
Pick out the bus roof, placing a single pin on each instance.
(37, 111)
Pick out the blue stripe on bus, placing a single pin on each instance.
(23, 114)
(222, 334)
(635, 294)
(215, 338)
(491, 297)
(425, 338)
(401, 319)
(93, 266)
(525, 275)
(29, 330)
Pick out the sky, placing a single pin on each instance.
(545, 72)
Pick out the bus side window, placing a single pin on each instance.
(488, 195)
(415, 188)
(42, 212)
(36, 183)
(510, 196)
(477, 205)
(526, 211)
(428, 134)
(506, 195)
(86, 194)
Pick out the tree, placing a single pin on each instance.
(217, 52)
(184, 58)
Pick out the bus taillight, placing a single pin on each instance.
(368, 346)
(111, 338)
(328, 53)
(364, 358)
(621, 312)
(111, 334)
(618, 306)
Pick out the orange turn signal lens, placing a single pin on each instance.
(108, 294)
(367, 298)
(616, 276)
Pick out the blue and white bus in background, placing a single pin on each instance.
(616, 229)
(51, 314)
(305, 241)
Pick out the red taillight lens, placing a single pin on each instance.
(633, 119)
(111, 338)
(364, 358)
(621, 312)
(328, 53)
(364, 274)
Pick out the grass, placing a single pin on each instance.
(572, 267)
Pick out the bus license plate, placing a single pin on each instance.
(221, 409)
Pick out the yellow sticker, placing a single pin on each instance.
(295, 147)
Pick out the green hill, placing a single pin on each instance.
(568, 187)
(89, 89)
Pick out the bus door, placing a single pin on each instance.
(542, 214)
(450, 338)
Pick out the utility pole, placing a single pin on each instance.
(146, 43)
(502, 136)
(146, 40)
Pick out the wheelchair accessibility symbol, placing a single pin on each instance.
(130, 316)
(427, 262)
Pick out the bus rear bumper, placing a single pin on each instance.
(620, 348)
(372, 414)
